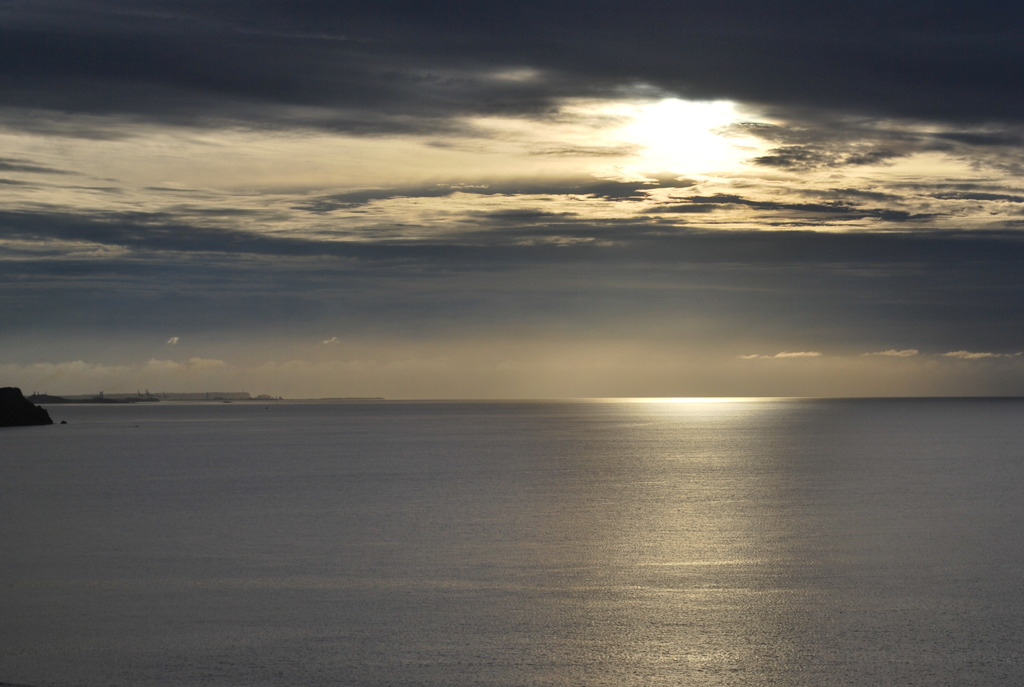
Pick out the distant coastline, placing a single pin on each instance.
(194, 396)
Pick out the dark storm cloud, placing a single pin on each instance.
(981, 139)
(394, 66)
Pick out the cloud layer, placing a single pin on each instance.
(405, 64)
(290, 184)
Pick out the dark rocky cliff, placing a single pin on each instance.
(17, 411)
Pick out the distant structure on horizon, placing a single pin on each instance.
(206, 396)
(147, 397)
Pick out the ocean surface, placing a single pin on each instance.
(755, 542)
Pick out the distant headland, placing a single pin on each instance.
(18, 411)
(101, 397)
(147, 397)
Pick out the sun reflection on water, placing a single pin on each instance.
(697, 399)
(678, 546)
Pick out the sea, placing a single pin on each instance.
(594, 543)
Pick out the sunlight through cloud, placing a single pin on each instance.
(685, 137)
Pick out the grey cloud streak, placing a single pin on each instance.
(837, 209)
(505, 236)
(25, 166)
(952, 290)
(594, 188)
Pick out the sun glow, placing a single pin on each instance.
(685, 137)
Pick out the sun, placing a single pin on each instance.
(685, 136)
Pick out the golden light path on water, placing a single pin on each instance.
(678, 550)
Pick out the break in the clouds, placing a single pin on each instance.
(557, 198)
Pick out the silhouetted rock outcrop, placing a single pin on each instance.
(17, 411)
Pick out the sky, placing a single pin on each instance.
(312, 198)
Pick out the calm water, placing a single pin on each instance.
(499, 544)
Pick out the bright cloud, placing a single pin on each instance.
(971, 355)
(783, 354)
(892, 353)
